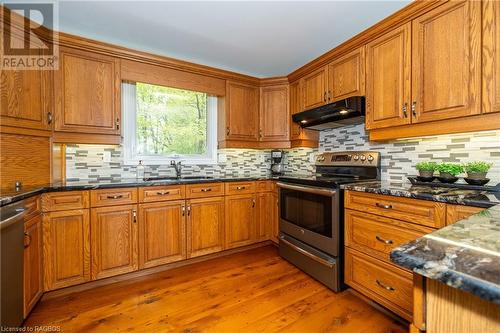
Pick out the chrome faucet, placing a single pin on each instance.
(178, 168)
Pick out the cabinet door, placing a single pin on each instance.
(275, 220)
(205, 226)
(87, 93)
(26, 97)
(162, 233)
(346, 76)
(66, 244)
(491, 57)
(266, 211)
(242, 114)
(114, 240)
(388, 61)
(298, 135)
(274, 116)
(315, 88)
(33, 278)
(446, 65)
(240, 220)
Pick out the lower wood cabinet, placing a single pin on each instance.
(162, 233)
(241, 214)
(205, 226)
(66, 248)
(114, 240)
(267, 211)
(276, 219)
(33, 276)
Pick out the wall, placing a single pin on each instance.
(400, 156)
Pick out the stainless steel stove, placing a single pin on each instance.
(312, 213)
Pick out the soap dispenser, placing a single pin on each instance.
(140, 170)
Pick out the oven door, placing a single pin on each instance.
(311, 215)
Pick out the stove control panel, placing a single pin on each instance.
(349, 158)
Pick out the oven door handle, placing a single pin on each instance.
(307, 254)
(308, 189)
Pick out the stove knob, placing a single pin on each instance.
(370, 158)
(363, 157)
(356, 157)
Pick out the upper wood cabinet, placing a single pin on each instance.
(388, 65)
(315, 86)
(66, 248)
(205, 226)
(162, 233)
(446, 65)
(33, 275)
(274, 114)
(491, 57)
(346, 76)
(114, 240)
(26, 99)
(87, 93)
(240, 112)
(300, 137)
(241, 214)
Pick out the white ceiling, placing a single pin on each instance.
(259, 38)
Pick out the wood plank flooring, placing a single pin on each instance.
(251, 291)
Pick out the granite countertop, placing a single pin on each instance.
(450, 195)
(11, 196)
(464, 255)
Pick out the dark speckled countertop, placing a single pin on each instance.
(464, 255)
(7, 196)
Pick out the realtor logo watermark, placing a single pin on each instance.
(30, 43)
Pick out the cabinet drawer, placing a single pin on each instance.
(378, 236)
(57, 201)
(204, 190)
(240, 188)
(265, 186)
(384, 283)
(428, 213)
(162, 193)
(111, 197)
(33, 207)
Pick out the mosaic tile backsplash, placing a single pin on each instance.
(86, 162)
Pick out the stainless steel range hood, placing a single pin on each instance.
(348, 111)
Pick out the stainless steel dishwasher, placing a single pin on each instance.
(12, 259)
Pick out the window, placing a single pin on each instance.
(163, 123)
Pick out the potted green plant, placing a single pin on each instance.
(426, 169)
(448, 172)
(477, 170)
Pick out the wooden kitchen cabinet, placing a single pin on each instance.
(66, 248)
(300, 137)
(490, 56)
(26, 99)
(33, 274)
(114, 234)
(240, 114)
(276, 218)
(455, 213)
(388, 88)
(205, 226)
(162, 233)
(346, 76)
(266, 212)
(240, 222)
(274, 114)
(315, 86)
(87, 93)
(446, 65)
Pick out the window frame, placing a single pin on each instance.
(129, 134)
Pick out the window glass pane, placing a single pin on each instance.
(170, 121)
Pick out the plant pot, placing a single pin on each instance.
(446, 177)
(426, 173)
(476, 175)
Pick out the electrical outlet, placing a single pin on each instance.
(222, 158)
(312, 158)
(106, 157)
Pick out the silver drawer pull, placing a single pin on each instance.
(383, 206)
(163, 193)
(389, 288)
(240, 187)
(206, 190)
(385, 241)
(119, 196)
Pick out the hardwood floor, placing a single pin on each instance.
(251, 291)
